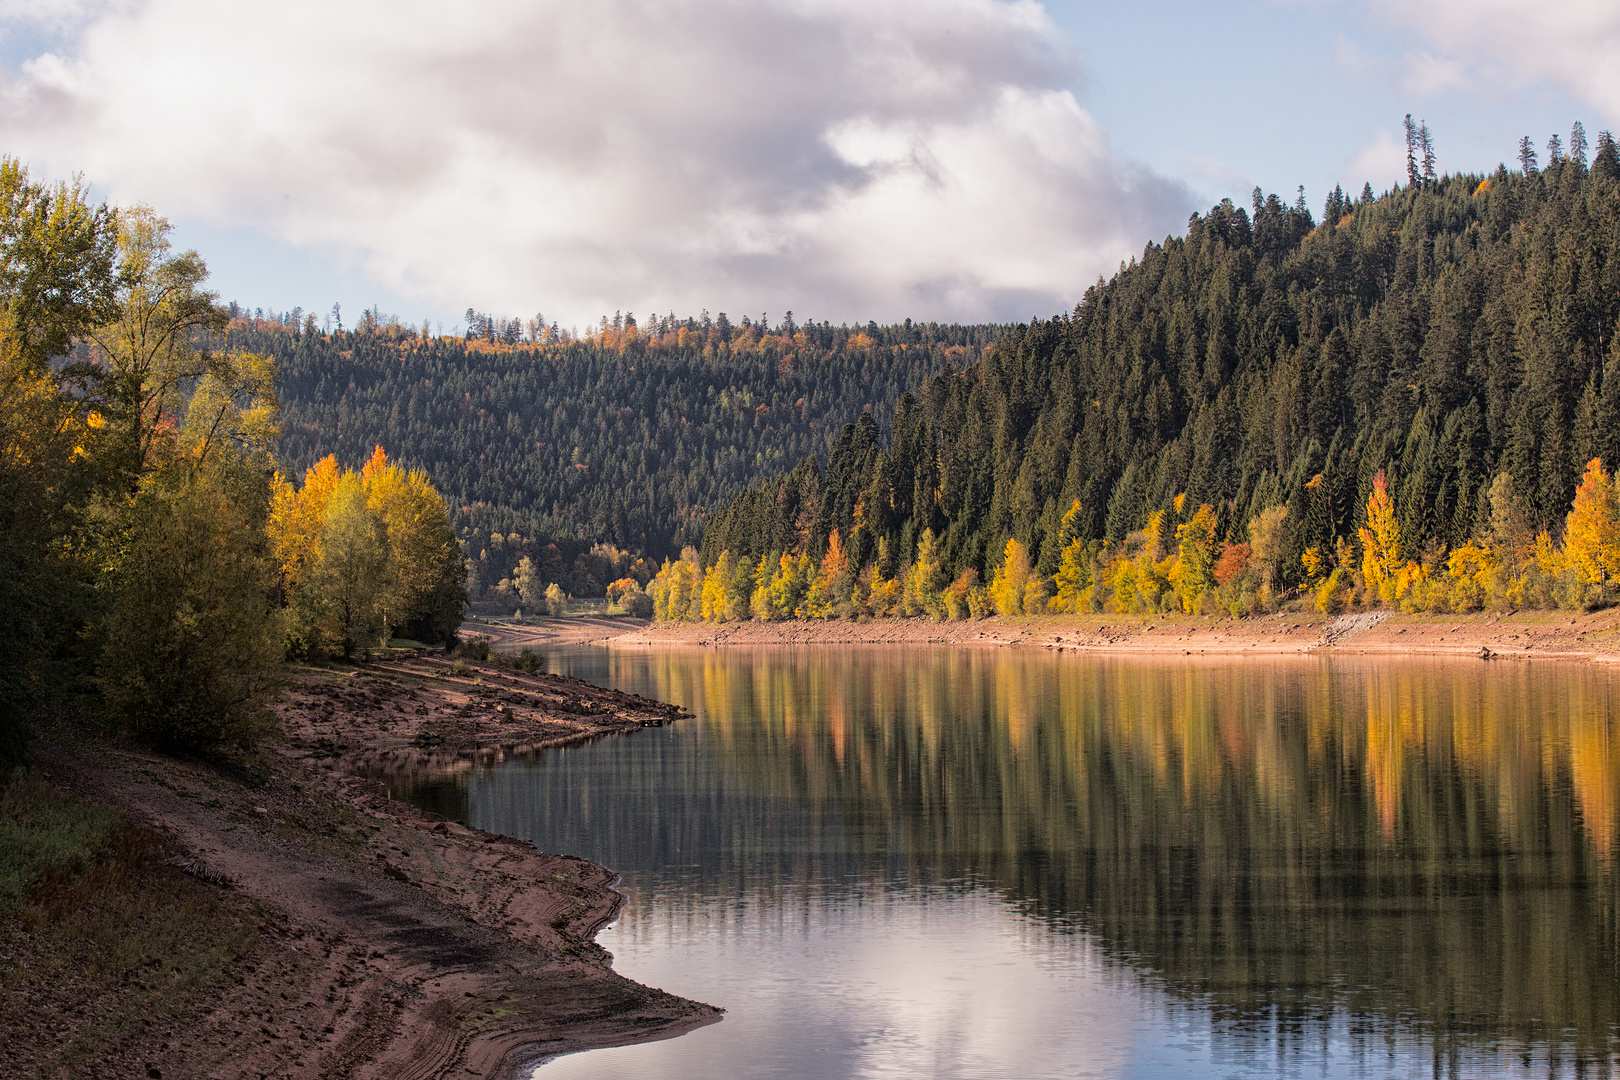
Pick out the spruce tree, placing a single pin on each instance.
(1606, 162)
(1412, 177)
(1527, 156)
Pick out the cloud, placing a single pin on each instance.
(1380, 161)
(1498, 45)
(845, 158)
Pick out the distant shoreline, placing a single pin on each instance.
(1540, 635)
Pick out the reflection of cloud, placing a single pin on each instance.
(1491, 44)
(911, 984)
(766, 873)
(832, 156)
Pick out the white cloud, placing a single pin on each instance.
(1496, 45)
(843, 158)
(1380, 161)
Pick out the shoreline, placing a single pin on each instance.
(390, 941)
(1541, 635)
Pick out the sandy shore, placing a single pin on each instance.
(391, 943)
(1591, 636)
(539, 633)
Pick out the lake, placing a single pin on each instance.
(902, 862)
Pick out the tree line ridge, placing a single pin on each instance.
(1407, 402)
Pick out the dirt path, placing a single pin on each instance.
(391, 943)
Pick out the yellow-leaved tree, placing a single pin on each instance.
(1592, 529)
(1266, 540)
(1074, 564)
(425, 572)
(925, 581)
(716, 585)
(1381, 552)
(1194, 571)
(364, 556)
(1010, 583)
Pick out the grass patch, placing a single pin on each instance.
(100, 936)
(45, 837)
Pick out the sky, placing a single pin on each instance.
(952, 160)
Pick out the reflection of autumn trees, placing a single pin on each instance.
(1432, 837)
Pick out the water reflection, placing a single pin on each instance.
(1229, 867)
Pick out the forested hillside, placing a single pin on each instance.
(627, 436)
(1250, 383)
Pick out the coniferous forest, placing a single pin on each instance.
(1393, 404)
(580, 452)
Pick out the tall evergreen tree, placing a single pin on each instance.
(1606, 162)
(1413, 177)
(1527, 157)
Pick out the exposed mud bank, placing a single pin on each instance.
(391, 943)
(1591, 636)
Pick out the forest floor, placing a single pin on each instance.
(281, 916)
(1593, 636)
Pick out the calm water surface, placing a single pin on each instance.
(893, 862)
